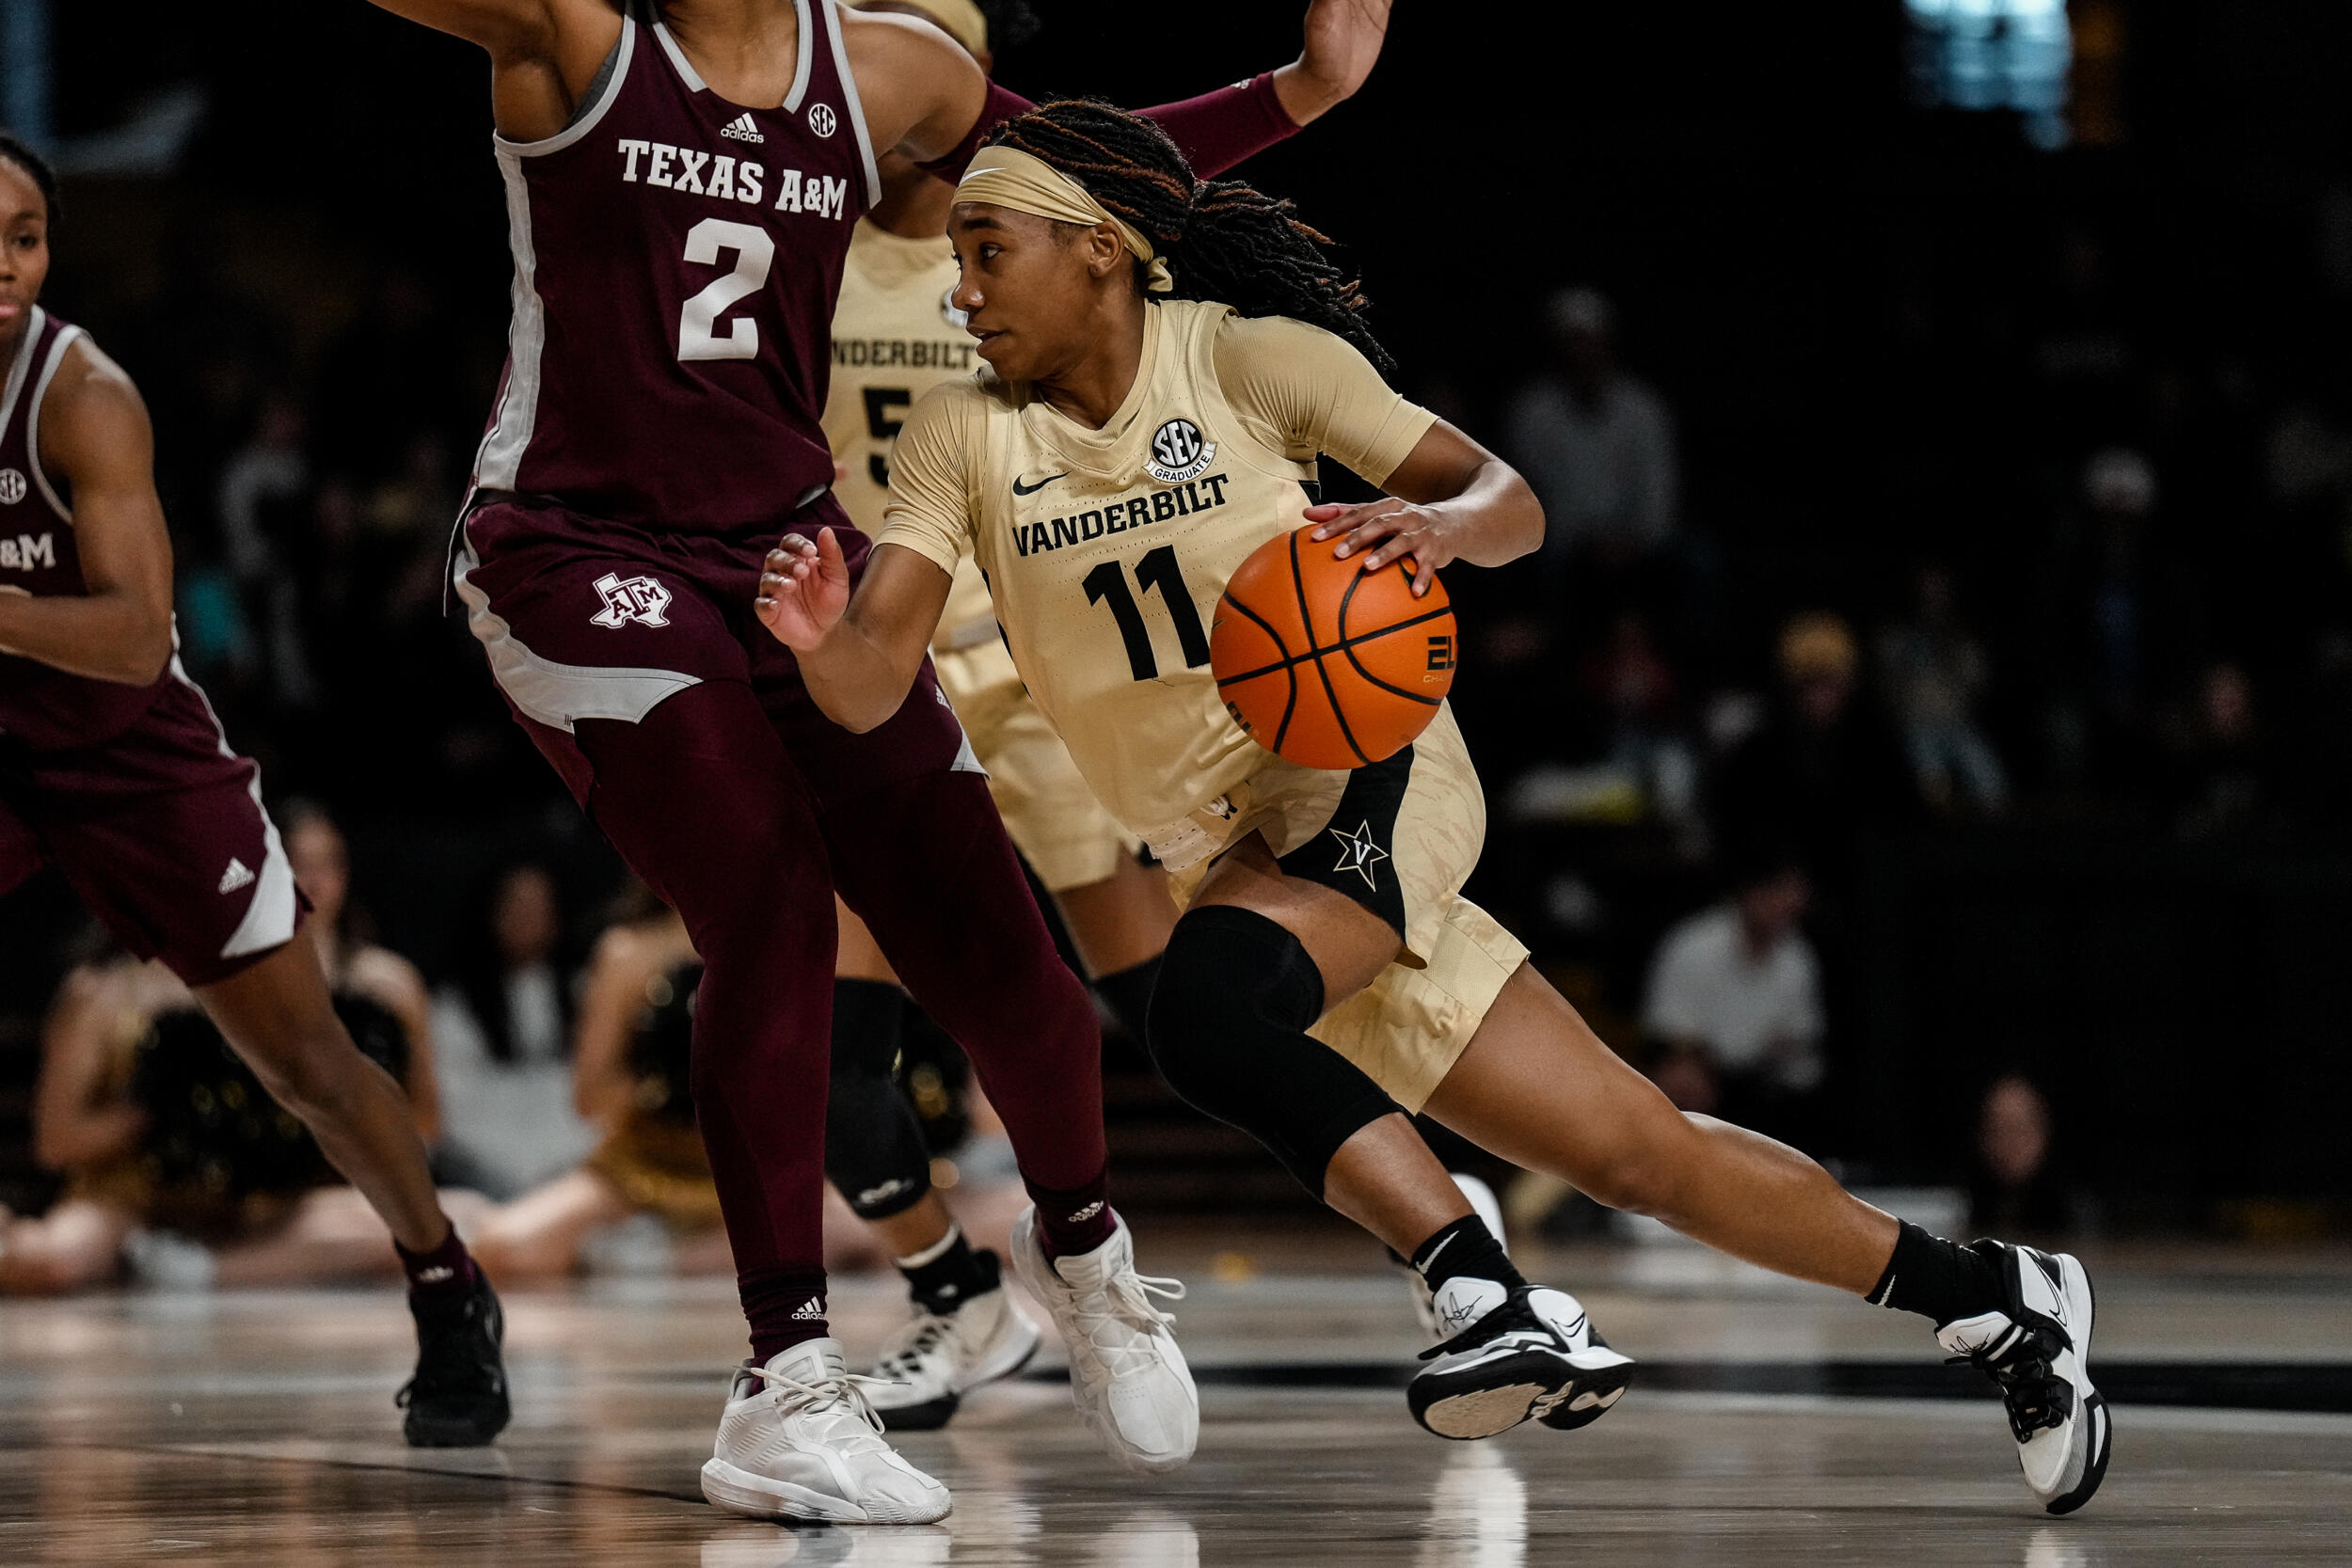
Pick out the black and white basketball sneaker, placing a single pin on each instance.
(1514, 1354)
(939, 1356)
(457, 1400)
(2036, 1348)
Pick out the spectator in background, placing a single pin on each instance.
(2016, 1187)
(2222, 784)
(504, 1031)
(1934, 671)
(1596, 444)
(177, 1164)
(1735, 1008)
(1821, 771)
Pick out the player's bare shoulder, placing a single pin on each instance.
(92, 416)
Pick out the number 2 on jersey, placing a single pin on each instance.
(698, 337)
(1157, 569)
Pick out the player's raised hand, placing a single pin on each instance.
(1344, 38)
(803, 590)
(1386, 529)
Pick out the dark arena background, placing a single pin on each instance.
(1944, 410)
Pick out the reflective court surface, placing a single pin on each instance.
(1778, 1424)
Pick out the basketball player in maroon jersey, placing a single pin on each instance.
(114, 769)
(681, 186)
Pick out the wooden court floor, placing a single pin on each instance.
(258, 1428)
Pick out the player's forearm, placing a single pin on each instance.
(1215, 129)
(855, 678)
(108, 637)
(1498, 516)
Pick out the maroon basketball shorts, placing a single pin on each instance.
(588, 619)
(161, 831)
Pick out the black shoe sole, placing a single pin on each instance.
(1501, 1394)
(471, 1429)
(928, 1417)
(1605, 1386)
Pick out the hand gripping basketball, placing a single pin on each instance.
(1324, 663)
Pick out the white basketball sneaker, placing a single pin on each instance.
(2036, 1346)
(1514, 1354)
(799, 1440)
(1483, 1204)
(938, 1357)
(1127, 1378)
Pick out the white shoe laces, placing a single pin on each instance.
(1123, 1301)
(844, 1395)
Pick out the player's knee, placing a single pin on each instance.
(1228, 1031)
(875, 1154)
(1632, 1178)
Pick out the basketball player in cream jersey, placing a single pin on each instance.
(896, 334)
(1179, 431)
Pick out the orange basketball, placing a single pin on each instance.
(1324, 664)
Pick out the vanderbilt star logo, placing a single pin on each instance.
(1020, 489)
(1359, 853)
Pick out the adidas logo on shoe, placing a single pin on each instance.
(237, 875)
(810, 1311)
(742, 128)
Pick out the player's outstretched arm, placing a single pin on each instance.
(859, 651)
(1450, 500)
(543, 53)
(94, 435)
(1342, 44)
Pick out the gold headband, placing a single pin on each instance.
(961, 20)
(1007, 176)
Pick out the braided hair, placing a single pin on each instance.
(1224, 240)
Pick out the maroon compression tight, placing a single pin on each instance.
(702, 801)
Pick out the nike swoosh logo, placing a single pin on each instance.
(1020, 489)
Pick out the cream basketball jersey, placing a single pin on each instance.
(1106, 550)
(896, 336)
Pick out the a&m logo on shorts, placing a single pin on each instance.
(12, 486)
(1178, 453)
(627, 599)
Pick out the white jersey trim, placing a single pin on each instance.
(21, 368)
(498, 461)
(275, 908)
(66, 340)
(684, 68)
(849, 102)
(586, 123)
(556, 694)
(809, 56)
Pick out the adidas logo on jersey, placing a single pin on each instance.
(238, 875)
(741, 129)
(810, 1311)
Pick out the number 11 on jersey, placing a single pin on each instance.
(1156, 570)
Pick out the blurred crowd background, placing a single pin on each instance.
(1927, 732)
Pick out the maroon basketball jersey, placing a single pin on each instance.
(676, 258)
(41, 706)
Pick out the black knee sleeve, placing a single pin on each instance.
(1228, 1031)
(874, 1149)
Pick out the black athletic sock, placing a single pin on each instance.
(945, 1275)
(1938, 1279)
(1128, 995)
(445, 1273)
(1466, 1247)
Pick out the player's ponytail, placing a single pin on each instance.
(1223, 240)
